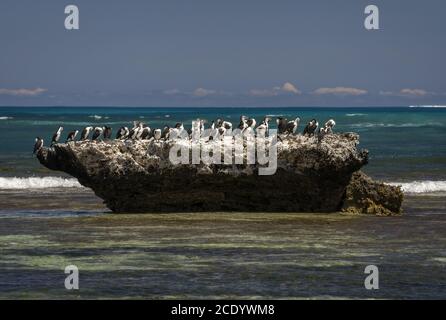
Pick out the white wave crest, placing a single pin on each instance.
(6, 118)
(96, 117)
(37, 183)
(421, 186)
(355, 114)
(394, 125)
(428, 106)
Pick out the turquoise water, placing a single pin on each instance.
(405, 144)
(48, 221)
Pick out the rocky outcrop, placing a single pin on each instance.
(313, 175)
(363, 195)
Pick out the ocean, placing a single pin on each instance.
(48, 221)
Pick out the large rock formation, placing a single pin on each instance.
(313, 175)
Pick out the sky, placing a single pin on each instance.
(222, 53)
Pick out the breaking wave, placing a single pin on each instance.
(37, 183)
(96, 117)
(394, 125)
(435, 106)
(355, 114)
(6, 118)
(421, 186)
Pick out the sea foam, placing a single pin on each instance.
(394, 125)
(96, 117)
(6, 118)
(37, 183)
(433, 106)
(421, 186)
(355, 114)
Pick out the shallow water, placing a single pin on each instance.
(218, 255)
(47, 222)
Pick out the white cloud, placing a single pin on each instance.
(22, 92)
(340, 91)
(201, 92)
(287, 87)
(407, 93)
(414, 92)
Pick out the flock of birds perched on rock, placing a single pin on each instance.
(141, 131)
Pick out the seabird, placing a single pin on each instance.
(329, 126)
(221, 132)
(165, 133)
(56, 135)
(157, 134)
(292, 125)
(139, 131)
(177, 131)
(107, 133)
(263, 128)
(133, 134)
(227, 125)
(311, 127)
(197, 127)
(243, 123)
(97, 133)
(38, 144)
(251, 122)
(122, 133)
(85, 133)
(223, 123)
(146, 132)
(72, 135)
(282, 124)
(202, 122)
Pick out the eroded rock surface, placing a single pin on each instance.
(312, 176)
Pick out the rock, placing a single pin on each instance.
(368, 197)
(311, 176)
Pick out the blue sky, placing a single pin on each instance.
(222, 53)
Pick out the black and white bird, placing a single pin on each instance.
(201, 124)
(311, 127)
(251, 122)
(72, 135)
(292, 125)
(282, 124)
(263, 128)
(177, 131)
(122, 133)
(56, 135)
(165, 132)
(243, 125)
(213, 130)
(146, 132)
(107, 133)
(221, 133)
(133, 134)
(97, 133)
(197, 128)
(157, 134)
(86, 133)
(329, 126)
(38, 144)
(225, 125)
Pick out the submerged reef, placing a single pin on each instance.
(313, 175)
